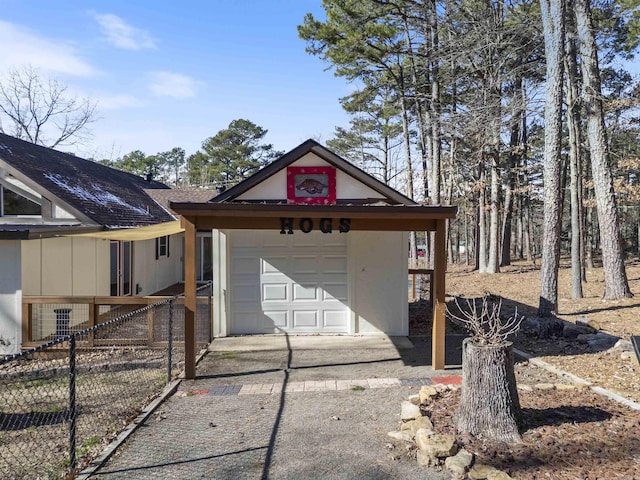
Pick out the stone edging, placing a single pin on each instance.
(596, 389)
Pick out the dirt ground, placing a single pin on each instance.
(569, 434)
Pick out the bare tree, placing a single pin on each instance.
(553, 12)
(616, 285)
(42, 112)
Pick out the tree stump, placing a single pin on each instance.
(489, 404)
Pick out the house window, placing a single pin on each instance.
(14, 204)
(162, 247)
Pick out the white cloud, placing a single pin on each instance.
(121, 34)
(20, 47)
(118, 102)
(176, 85)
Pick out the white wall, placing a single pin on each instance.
(10, 297)
(151, 275)
(275, 187)
(65, 266)
(378, 277)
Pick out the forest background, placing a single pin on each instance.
(518, 112)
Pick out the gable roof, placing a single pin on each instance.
(92, 192)
(311, 146)
(165, 196)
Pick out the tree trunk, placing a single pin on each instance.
(573, 124)
(482, 227)
(616, 285)
(489, 404)
(553, 23)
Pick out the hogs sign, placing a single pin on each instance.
(307, 224)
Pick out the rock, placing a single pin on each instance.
(593, 325)
(404, 436)
(422, 422)
(426, 460)
(481, 472)
(415, 399)
(624, 345)
(460, 462)
(410, 411)
(407, 425)
(564, 386)
(499, 475)
(427, 392)
(627, 355)
(525, 388)
(545, 386)
(436, 445)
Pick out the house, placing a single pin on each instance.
(73, 227)
(311, 244)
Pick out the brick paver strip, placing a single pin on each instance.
(325, 385)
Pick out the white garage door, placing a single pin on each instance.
(288, 283)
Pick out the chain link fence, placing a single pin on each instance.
(62, 402)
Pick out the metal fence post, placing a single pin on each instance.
(72, 402)
(170, 341)
(209, 308)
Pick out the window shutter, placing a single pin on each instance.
(168, 249)
(157, 248)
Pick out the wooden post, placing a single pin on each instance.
(27, 322)
(94, 310)
(189, 297)
(438, 286)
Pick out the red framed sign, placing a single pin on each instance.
(311, 185)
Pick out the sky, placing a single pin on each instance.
(170, 74)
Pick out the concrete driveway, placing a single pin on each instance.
(287, 407)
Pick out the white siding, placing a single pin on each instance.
(65, 266)
(379, 265)
(151, 274)
(275, 187)
(10, 297)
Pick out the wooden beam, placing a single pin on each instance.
(189, 297)
(440, 267)
(274, 223)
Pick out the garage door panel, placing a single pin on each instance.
(275, 292)
(305, 292)
(245, 265)
(244, 322)
(304, 265)
(272, 319)
(244, 292)
(305, 319)
(274, 265)
(335, 291)
(335, 319)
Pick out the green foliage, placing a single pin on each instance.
(231, 155)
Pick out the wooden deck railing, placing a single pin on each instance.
(47, 317)
(413, 273)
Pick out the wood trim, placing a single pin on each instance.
(356, 224)
(27, 324)
(190, 345)
(438, 286)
